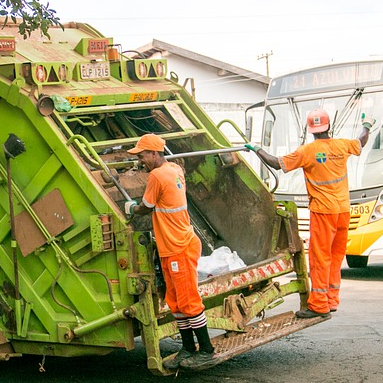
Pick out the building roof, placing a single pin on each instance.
(157, 46)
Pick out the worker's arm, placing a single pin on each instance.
(268, 158)
(367, 125)
(142, 209)
(363, 138)
(131, 208)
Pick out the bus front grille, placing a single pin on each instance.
(304, 224)
(354, 222)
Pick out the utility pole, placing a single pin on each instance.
(266, 56)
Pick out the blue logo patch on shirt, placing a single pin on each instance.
(321, 157)
(178, 183)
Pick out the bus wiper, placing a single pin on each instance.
(346, 111)
(295, 113)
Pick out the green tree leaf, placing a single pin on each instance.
(31, 15)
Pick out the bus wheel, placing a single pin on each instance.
(354, 261)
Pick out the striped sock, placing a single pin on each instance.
(198, 321)
(183, 324)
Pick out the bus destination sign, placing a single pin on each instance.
(334, 77)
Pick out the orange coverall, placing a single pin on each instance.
(178, 246)
(324, 163)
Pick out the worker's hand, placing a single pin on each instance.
(367, 122)
(254, 147)
(129, 205)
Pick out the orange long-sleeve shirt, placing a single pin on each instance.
(324, 163)
(166, 193)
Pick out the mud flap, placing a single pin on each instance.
(259, 333)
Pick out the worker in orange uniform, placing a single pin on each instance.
(324, 163)
(179, 250)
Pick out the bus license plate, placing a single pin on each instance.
(94, 71)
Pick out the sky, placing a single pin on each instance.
(294, 34)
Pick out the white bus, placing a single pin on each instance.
(345, 91)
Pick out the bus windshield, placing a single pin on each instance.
(285, 129)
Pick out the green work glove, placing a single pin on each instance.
(129, 208)
(367, 122)
(254, 147)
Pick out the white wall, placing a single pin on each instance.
(210, 87)
(223, 98)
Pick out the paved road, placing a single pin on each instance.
(346, 349)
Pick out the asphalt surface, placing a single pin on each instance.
(346, 349)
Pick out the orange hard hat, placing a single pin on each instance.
(318, 121)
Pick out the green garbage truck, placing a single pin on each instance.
(79, 277)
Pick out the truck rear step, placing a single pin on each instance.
(259, 333)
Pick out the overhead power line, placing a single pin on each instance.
(296, 14)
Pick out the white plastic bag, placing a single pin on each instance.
(220, 261)
(235, 262)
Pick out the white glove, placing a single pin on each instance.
(129, 207)
(367, 122)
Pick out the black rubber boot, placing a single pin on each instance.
(204, 357)
(187, 337)
(203, 339)
(188, 349)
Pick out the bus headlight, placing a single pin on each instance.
(377, 213)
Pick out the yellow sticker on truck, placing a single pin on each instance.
(134, 97)
(141, 97)
(80, 100)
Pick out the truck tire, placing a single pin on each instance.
(354, 261)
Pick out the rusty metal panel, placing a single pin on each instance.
(53, 213)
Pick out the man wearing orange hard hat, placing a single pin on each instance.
(324, 163)
(179, 249)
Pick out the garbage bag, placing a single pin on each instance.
(220, 261)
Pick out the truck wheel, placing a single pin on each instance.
(354, 261)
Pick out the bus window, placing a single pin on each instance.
(373, 166)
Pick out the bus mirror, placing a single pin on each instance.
(268, 129)
(249, 127)
(249, 119)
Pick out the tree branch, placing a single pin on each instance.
(33, 15)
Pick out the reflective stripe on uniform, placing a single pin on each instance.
(337, 180)
(323, 291)
(147, 204)
(175, 210)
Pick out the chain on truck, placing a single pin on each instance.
(76, 276)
